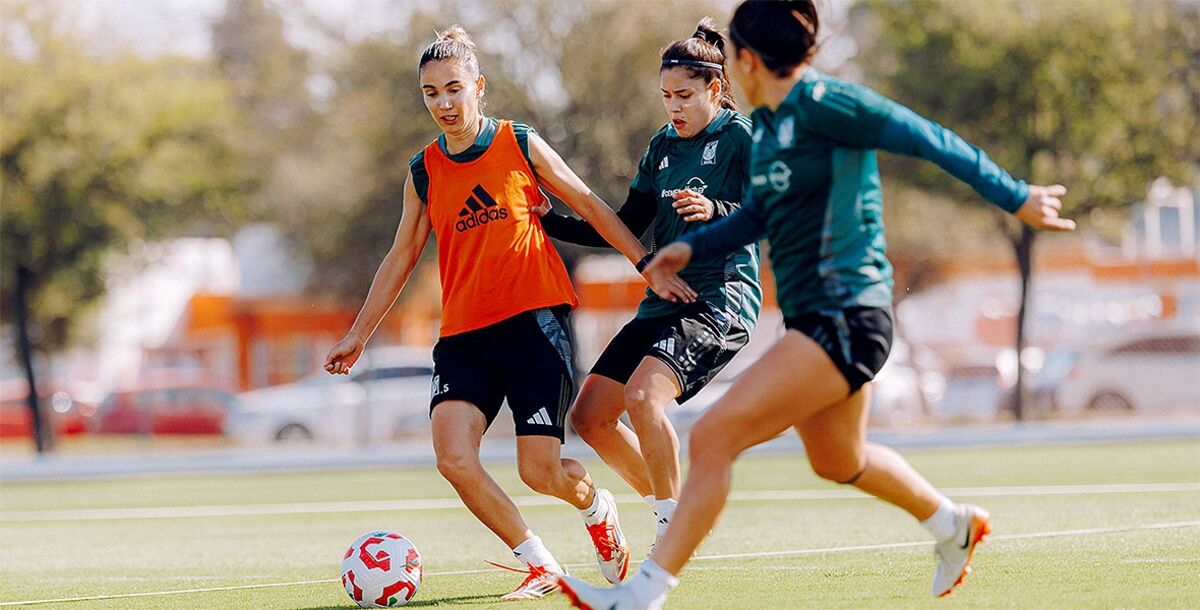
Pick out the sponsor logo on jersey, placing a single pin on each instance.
(787, 132)
(709, 157)
(480, 209)
(780, 176)
(662, 164)
(694, 184)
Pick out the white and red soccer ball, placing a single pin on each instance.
(381, 570)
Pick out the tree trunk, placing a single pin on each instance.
(1023, 246)
(41, 430)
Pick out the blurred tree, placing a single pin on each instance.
(1097, 96)
(97, 152)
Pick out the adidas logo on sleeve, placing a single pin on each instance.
(479, 209)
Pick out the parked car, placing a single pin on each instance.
(975, 391)
(164, 409)
(908, 384)
(66, 406)
(386, 395)
(1137, 370)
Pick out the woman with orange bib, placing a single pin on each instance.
(505, 300)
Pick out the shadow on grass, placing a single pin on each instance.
(463, 600)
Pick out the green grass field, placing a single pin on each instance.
(1135, 507)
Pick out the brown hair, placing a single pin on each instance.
(783, 34)
(706, 46)
(452, 43)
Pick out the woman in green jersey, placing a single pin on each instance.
(693, 171)
(814, 193)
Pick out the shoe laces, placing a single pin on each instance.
(602, 538)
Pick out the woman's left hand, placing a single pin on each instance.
(693, 206)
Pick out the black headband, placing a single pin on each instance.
(693, 63)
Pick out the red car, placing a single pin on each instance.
(68, 413)
(179, 409)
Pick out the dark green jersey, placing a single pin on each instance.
(712, 163)
(815, 192)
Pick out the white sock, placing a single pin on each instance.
(533, 552)
(942, 523)
(590, 513)
(651, 582)
(649, 500)
(665, 508)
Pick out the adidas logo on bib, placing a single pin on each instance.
(480, 209)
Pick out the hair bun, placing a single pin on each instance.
(707, 31)
(456, 33)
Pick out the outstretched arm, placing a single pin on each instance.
(390, 278)
(858, 117)
(637, 214)
(557, 177)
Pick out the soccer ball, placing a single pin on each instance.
(381, 570)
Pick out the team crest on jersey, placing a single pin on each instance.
(780, 176)
(787, 132)
(662, 164)
(710, 153)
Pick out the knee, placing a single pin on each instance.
(840, 467)
(640, 405)
(457, 466)
(540, 476)
(591, 425)
(709, 443)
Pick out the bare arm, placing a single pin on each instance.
(393, 272)
(554, 174)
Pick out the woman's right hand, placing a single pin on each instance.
(343, 355)
(662, 273)
(1041, 208)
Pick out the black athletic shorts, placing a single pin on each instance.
(525, 359)
(696, 343)
(857, 339)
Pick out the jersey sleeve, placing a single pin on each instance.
(522, 131)
(857, 117)
(637, 214)
(744, 226)
(908, 133)
(420, 177)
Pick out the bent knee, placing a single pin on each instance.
(839, 469)
(590, 425)
(709, 440)
(457, 466)
(538, 476)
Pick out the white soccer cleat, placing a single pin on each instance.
(605, 532)
(586, 597)
(538, 582)
(954, 554)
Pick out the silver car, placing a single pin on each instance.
(385, 396)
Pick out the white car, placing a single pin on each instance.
(385, 396)
(1137, 370)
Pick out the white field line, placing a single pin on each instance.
(842, 549)
(237, 510)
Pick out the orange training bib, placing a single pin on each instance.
(494, 258)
